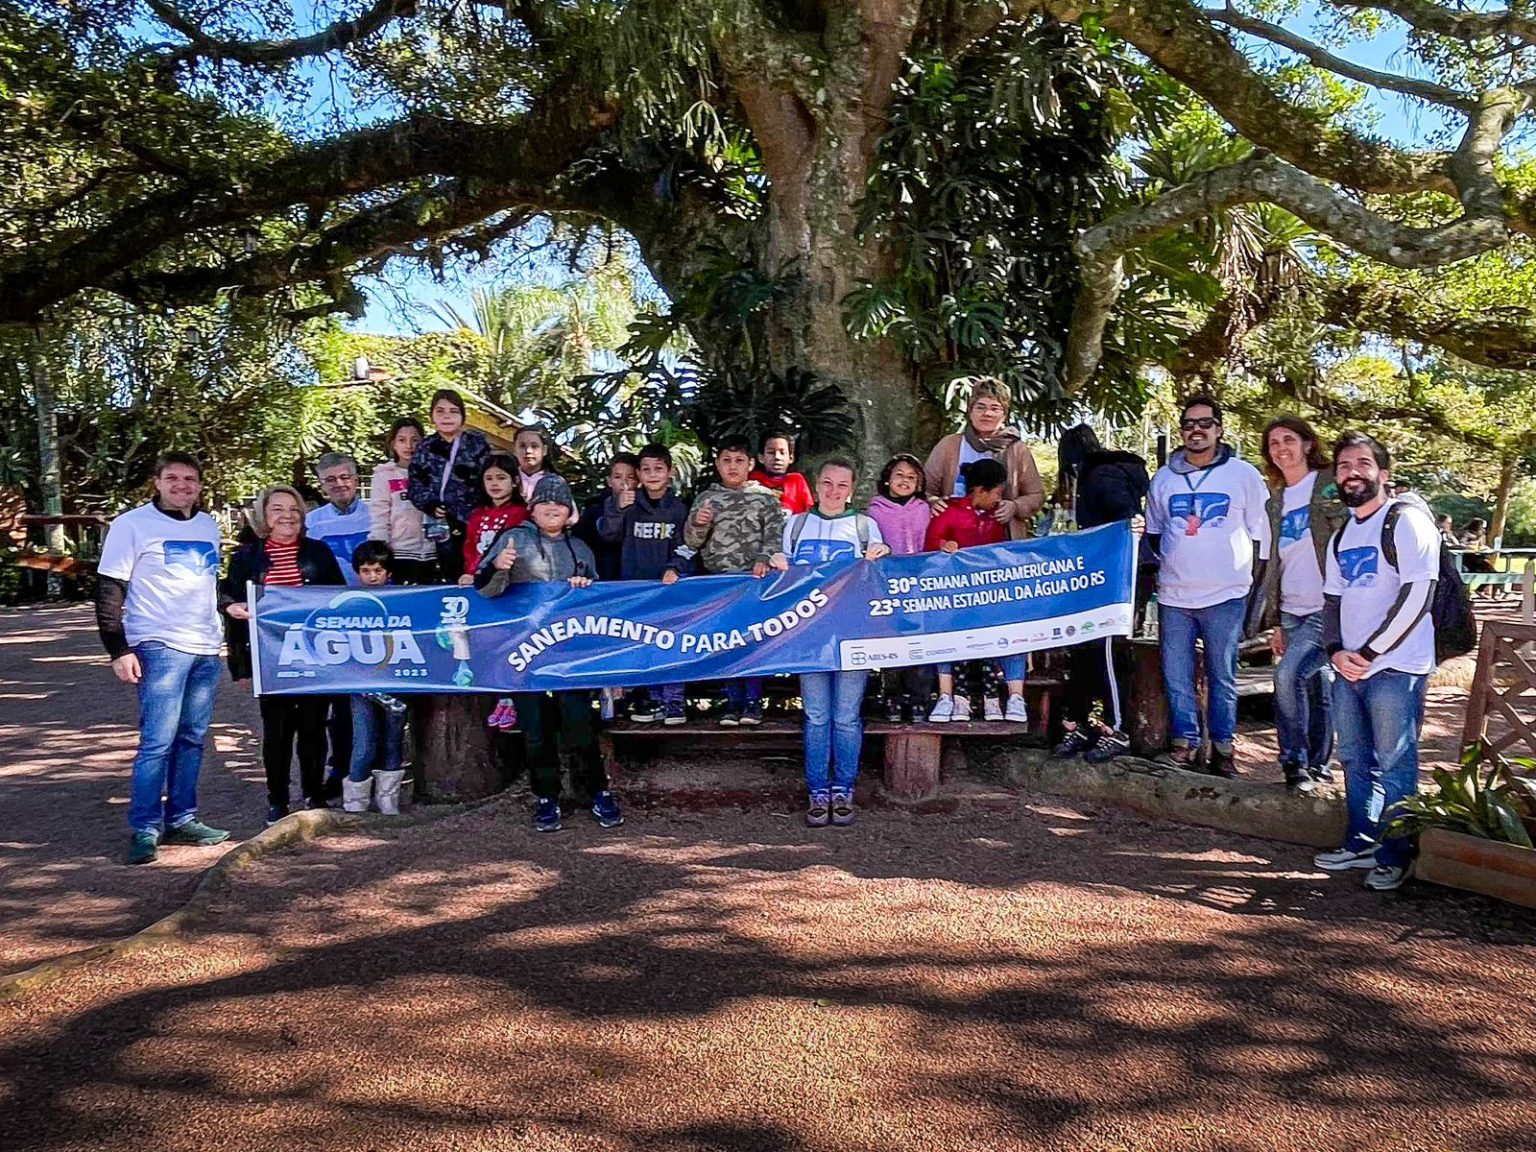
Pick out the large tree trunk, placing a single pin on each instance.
(1501, 500)
(50, 478)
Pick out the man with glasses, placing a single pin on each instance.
(1207, 523)
(342, 522)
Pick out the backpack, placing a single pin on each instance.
(860, 525)
(1451, 609)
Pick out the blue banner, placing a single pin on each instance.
(973, 604)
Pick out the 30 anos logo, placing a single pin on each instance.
(354, 626)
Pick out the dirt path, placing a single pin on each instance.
(68, 730)
(1052, 978)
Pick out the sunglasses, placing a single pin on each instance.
(1200, 422)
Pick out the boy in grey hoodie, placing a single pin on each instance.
(736, 525)
(543, 551)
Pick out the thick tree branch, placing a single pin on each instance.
(1506, 342)
(337, 35)
(1314, 54)
(1427, 16)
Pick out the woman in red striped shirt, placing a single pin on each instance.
(280, 557)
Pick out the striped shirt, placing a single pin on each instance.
(284, 570)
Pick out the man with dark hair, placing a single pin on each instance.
(157, 611)
(1382, 567)
(1207, 523)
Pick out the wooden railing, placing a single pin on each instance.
(1502, 710)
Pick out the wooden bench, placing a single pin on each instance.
(912, 753)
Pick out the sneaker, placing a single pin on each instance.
(1108, 746)
(1298, 779)
(275, 813)
(495, 718)
(818, 812)
(508, 716)
(647, 713)
(1076, 740)
(893, 709)
(1323, 775)
(1017, 711)
(1221, 763)
(752, 714)
(962, 709)
(1180, 756)
(730, 718)
(1385, 878)
(944, 711)
(546, 816)
(144, 848)
(1343, 859)
(991, 710)
(606, 810)
(842, 808)
(197, 833)
(314, 804)
(674, 712)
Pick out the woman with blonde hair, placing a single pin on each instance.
(986, 437)
(281, 556)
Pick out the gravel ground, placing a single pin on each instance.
(1052, 978)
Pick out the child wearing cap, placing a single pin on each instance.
(542, 551)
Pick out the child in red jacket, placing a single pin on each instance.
(775, 453)
(970, 521)
(499, 483)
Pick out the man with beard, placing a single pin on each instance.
(1382, 566)
(1207, 524)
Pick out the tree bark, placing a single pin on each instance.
(50, 479)
(1501, 500)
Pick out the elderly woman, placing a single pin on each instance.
(444, 480)
(281, 556)
(986, 437)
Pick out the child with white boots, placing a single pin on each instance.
(378, 721)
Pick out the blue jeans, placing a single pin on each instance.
(1014, 667)
(378, 734)
(1378, 720)
(740, 693)
(1303, 713)
(1221, 627)
(175, 705)
(834, 728)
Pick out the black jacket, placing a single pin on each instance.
(248, 565)
(588, 531)
(1110, 486)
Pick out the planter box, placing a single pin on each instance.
(1503, 871)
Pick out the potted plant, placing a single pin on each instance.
(1475, 828)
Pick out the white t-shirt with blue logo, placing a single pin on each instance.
(1301, 580)
(342, 533)
(820, 538)
(171, 567)
(1367, 586)
(1209, 521)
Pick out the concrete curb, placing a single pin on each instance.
(1266, 811)
(294, 829)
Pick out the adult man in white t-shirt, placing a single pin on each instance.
(1207, 522)
(1379, 587)
(157, 611)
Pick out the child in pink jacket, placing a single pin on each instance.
(902, 513)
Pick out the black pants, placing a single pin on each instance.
(286, 720)
(414, 572)
(450, 556)
(1095, 676)
(558, 722)
(915, 683)
(338, 727)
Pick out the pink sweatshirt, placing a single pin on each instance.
(902, 526)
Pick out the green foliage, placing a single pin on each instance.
(991, 165)
(1472, 800)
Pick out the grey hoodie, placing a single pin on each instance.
(540, 559)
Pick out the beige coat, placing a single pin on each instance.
(394, 519)
(1024, 487)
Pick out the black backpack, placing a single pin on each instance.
(1451, 611)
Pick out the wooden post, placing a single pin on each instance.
(1148, 706)
(912, 764)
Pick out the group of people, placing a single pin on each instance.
(1223, 552)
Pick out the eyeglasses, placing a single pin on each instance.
(1200, 422)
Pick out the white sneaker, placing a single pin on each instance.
(1387, 879)
(1017, 713)
(943, 712)
(962, 709)
(1343, 859)
(991, 710)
